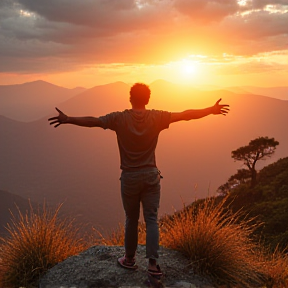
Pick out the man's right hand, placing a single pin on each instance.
(58, 120)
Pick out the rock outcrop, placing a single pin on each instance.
(98, 267)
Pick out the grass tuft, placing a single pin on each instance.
(216, 241)
(115, 237)
(36, 242)
(276, 269)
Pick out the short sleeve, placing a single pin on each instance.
(110, 121)
(163, 119)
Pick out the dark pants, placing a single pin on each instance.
(142, 186)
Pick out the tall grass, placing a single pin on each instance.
(276, 269)
(217, 243)
(115, 237)
(36, 241)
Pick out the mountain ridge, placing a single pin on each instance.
(22, 102)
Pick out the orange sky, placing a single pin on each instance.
(193, 42)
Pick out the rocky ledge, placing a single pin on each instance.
(98, 267)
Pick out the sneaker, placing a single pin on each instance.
(128, 263)
(155, 273)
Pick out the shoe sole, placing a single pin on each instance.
(133, 267)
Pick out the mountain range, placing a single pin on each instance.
(80, 166)
(280, 92)
(32, 100)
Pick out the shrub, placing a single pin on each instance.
(115, 237)
(35, 243)
(216, 241)
(276, 269)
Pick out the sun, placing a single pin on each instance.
(183, 71)
(187, 67)
(186, 70)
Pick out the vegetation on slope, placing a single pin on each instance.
(267, 202)
(216, 234)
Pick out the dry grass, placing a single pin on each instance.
(217, 243)
(115, 237)
(36, 242)
(219, 246)
(276, 269)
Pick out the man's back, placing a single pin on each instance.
(137, 135)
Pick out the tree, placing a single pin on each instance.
(240, 177)
(258, 149)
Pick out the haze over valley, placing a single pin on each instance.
(80, 166)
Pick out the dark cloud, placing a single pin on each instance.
(102, 31)
(86, 12)
(262, 25)
(105, 17)
(207, 11)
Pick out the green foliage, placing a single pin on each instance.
(259, 148)
(36, 242)
(268, 201)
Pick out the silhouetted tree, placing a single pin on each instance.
(258, 149)
(224, 189)
(241, 176)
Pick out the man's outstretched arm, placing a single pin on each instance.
(217, 109)
(62, 118)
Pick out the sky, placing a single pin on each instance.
(86, 43)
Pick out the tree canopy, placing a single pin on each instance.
(258, 149)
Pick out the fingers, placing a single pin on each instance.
(224, 111)
(224, 106)
(218, 101)
(59, 111)
(55, 126)
(53, 122)
(53, 118)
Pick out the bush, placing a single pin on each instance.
(115, 237)
(276, 269)
(217, 243)
(35, 243)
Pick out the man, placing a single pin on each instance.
(137, 131)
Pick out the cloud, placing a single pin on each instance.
(106, 18)
(260, 4)
(206, 11)
(87, 32)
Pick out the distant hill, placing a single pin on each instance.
(32, 101)
(273, 92)
(80, 166)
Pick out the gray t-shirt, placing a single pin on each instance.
(137, 135)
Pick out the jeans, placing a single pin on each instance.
(142, 186)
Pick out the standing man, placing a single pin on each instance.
(137, 131)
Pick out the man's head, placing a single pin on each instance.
(139, 94)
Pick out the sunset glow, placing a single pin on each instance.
(191, 42)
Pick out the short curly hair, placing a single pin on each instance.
(140, 94)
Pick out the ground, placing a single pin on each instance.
(98, 267)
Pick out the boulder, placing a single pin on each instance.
(98, 267)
